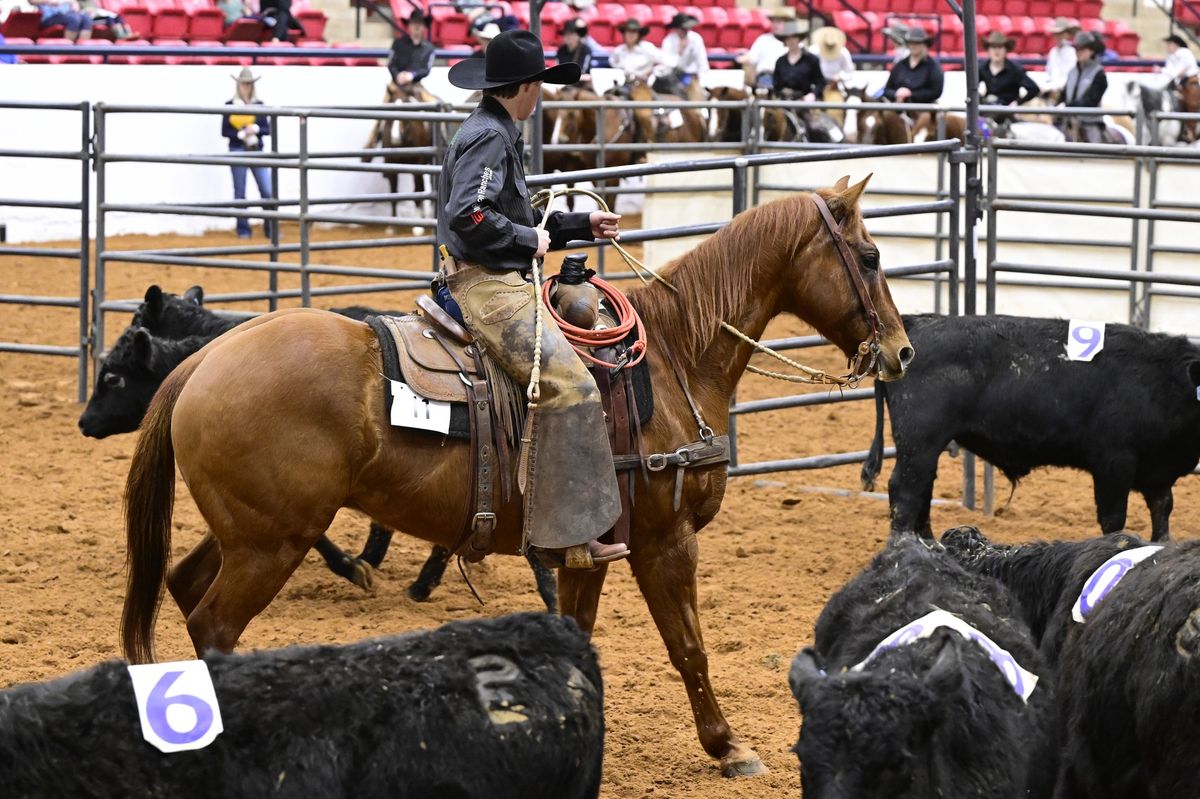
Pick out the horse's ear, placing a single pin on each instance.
(851, 195)
(842, 183)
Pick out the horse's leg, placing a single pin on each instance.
(379, 538)
(665, 569)
(579, 595)
(547, 583)
(190, 578)
(356, 570)
(431, 574)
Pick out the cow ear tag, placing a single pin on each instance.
(177, 705)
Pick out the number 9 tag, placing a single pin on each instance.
(1084, 340)
(176, 704)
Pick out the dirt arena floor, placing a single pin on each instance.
(780, 546)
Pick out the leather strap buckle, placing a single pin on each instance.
(480, 519)
(657, 461)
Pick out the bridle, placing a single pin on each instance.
(869, 346)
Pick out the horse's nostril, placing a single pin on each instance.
(906, 355)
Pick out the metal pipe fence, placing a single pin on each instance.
(81, 253)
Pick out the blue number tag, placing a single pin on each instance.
(177, 704)
(1084, 339)
(1105, 578)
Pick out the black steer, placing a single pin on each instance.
(1128, 682)
(495, 708)
(934, 717)
(1002, 387)
(166, 329)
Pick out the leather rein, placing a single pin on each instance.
(871, 345)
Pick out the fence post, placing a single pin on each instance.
(85, 228)
(273, 275)
(97, 336)
(740, 168)
(305, 289)
(955, 243)
(1152, 201)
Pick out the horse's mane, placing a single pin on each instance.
(717, 278)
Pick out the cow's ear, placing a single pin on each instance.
(805, 673)
(142, 346)
(154, 303)
(195, 294)
(945, 676)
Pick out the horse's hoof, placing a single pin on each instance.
(418, 592)
(742, 765)
(418, 231)
(363, 575)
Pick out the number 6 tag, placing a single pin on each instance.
(1084, 340)
(177, 704)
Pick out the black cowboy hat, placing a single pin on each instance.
(1175, 38)
(998, 39)
(418, 16)
(576, 25)
(634, 25)
(513, 57)
(916, 35)
(682, 21)
(1091, 40)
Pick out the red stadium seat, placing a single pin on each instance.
(240, 53)
(205, 21)
(137, 17)
(713, 19)
(356, 61)
(731, 36)
(1127, 43)
(41, 58)
(1040, 8)
(313, 21)
(247, 30)
(450, 27)
(284, 49)
(925, 6)
(321, 61)
(22, 25)
(1017, 8)
(169, 22)
(1066, 8)
(603, 27)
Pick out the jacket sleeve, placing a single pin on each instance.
(479, 177)
(228, 130)
(585, 62)
(1095, 92)
(931, 90)
(889, 90)
(423, 65)
(567, 227)
(394, 65)
(264, 125)
(818, 77)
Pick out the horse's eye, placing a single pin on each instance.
(870, 261)
(114, 380)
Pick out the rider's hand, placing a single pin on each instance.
(605, 225)
(810, 97)
(543, 242)
(404, 78)
(903, 93)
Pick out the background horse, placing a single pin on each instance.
(664, 125)
(306, 433)
(395, 133)
(926, 127)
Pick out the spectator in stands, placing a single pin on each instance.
(1005, 81)
(797, 72)
(1181, 62)
(106, 20)
(246, 132)
(581, 7)
(277, 14)
(233, 10)
(1086, 84)
(574, 49)
(684, 57)
(77, 25)
(918, 78)
(836, 64)
(484, 35)
(636, 57)
(412, 54)
(759, 60)
(896, 33)
(1061, 58)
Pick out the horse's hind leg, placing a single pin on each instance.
(665, 569)
(190, 578)
(431, 574)
(356, 570)
(249, 578)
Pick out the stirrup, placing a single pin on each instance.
(582, 557)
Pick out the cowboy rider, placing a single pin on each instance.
(412, 54)
(635, 56)
(1005, 81)
(918, 78)
(487, 226)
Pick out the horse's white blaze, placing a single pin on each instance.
(712, 124)
(921, 135)
(397, 131)
(556, 134)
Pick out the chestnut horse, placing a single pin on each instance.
(395, 133)
(281, 422)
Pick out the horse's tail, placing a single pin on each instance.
(149, 503)
(874, 461)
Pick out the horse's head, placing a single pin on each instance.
(826, 291)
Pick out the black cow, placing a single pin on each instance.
(165, 330)
(1002, 387)
(934, 717)
(1129, 675)
(495, 708)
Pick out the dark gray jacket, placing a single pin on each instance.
(484, 215)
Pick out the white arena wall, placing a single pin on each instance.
(325, 86)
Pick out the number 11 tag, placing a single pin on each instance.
(1084, 340)
(177, 704)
